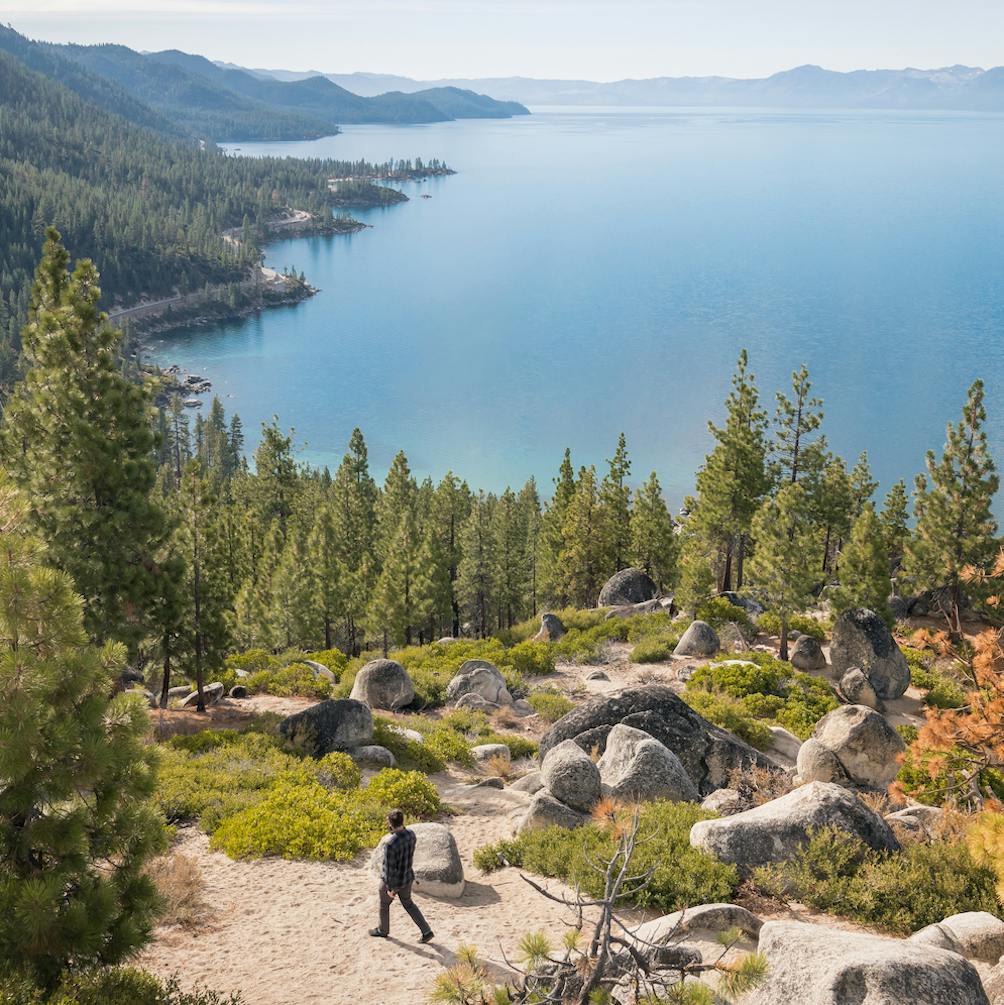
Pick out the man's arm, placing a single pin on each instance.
(394, 865)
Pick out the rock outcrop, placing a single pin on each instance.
(862, 742)
(707, 753)
(383, 684)
(439, 871)
(856, 689)
(976, 935)
(775, 831)
(700, 639)
(636, 767)
(546, 811)
(629, 586)
(335, 724)
(814, 965)
(862, 639)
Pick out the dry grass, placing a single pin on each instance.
(179, 882)
(504, 718)
(757, 786)
(499, 766)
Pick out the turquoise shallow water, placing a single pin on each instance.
(591, 271)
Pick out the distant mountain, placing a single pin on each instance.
(953, 87)
(182, 94)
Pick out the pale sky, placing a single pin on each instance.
(591, 39)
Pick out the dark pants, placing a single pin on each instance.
(404, 896)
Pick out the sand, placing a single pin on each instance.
(295, 932)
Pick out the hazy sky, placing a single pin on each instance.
(594, 39)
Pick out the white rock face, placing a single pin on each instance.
(976, 935)
(815, 965)
(481, 678)
(486, 751)
(439, 871)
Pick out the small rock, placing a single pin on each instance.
(238, 691)
(700, 639)
(486, 751)
(375, 755)
(319, 670)
(475, 703)
(597, 675)
(489, 783)
(530, 783)
(862, 740)
(784, 742)
(551, 628)
(481, 678)
(856, 689)
(807, 655)
(724, 802)
(546, 811)
(212, 693)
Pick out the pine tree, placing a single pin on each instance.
(734, 478)
(582, 555)
(475, 579)
(895, 517)
(552, 541)
(781, 566)
(354, 496)
(434, 598)
(529, 503)
(79, 441)
(393, 613)
(207, 589)
(276, 481)
(955, 525)
(76, 824)
(325, 576)
(864, 568)
(615, 509)
(509, 554)
(654, 544)
(796, 454)
(291, 613)
(830, 498)
(451, 505)
(863, 485)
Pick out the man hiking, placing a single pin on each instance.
(397, 876)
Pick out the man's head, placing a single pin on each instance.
(395, 820)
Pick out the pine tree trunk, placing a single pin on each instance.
(740, 561)
(385, 645)
(727, 571)
(783, 654)
(165, 685)
(826, 548)
(329, 640)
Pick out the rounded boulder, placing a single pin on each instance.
(627, 587)
(383, 684)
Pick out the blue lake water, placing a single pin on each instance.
(593, 271)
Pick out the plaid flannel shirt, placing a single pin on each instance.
(397, 871)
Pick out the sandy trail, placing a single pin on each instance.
(295, 932)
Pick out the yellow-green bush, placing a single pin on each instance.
(729, 713)
(655, 648)
(334, 659)
(409, 791)
(409, 754)
(110, 986)
(550, 705)
(719, 611)
(297, 679)
(899, 892)
(681, 875)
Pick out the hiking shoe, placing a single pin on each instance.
(427, 937)
(377, 934)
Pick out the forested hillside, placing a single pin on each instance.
(148, 209)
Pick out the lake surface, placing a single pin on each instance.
(592, 271)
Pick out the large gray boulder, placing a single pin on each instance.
(335, 724)
(774, 831)
(732, 639)
(807, 654)
(993, 984)
(570, 775)
(700, 639)
(546, 811)
(383, 684)
(551, 628)
(636, 767)
(752, 607)
(702, 918)
(922, 822)
(708, 754)
(629, 586)
(439, 871)
(212, 693)
(862, 639)
(374, 755)
(531, 783)
(480, 678)
(812, 965)
(977, 935)
(863, 742)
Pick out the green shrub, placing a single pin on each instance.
(681, 875)
(252, 661)
(640, 626)
(334, 771)
(334, 659)
(719, 611)
(111, 986)
(654, 648)
(739, 678)
(943, 690)
(770, 624)
(939, 777)
(412, 755)
(409, 791)
(550, 705)
(899, 892)
(531, 659)
(729, 713)
(295, 680)
(205, 740)
(302, 821)
(449, 747)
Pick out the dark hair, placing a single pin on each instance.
(395, 818)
